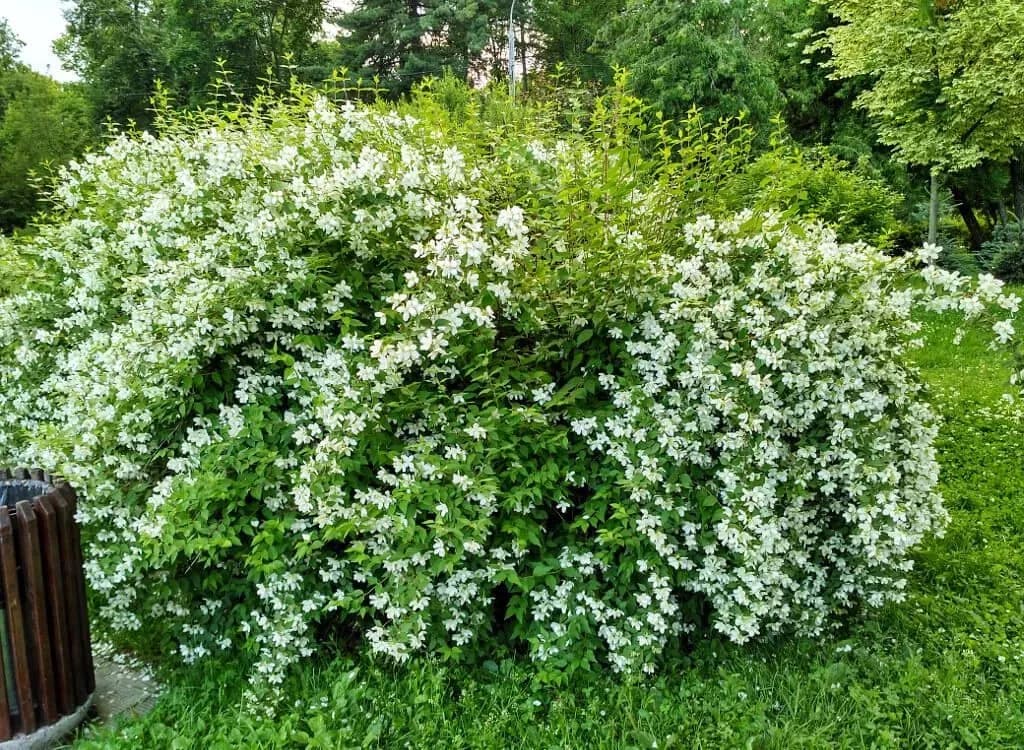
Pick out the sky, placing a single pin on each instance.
(38, 23)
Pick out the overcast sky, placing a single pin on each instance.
(37, 23)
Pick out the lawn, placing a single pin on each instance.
(945, 669)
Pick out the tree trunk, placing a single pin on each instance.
(1017, 182)
(974, 230)
(991, 212)
(933, 210)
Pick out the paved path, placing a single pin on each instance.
(124, 688)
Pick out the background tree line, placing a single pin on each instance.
(41, 122)
(923, 97)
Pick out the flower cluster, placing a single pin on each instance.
(318, 366)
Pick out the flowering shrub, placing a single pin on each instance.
(317, 365)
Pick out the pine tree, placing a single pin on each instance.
(402, 41)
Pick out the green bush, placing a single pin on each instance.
(818, 185)
(1004, 253)
(459, 381)
(956, 256)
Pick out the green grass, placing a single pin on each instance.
(943, 670)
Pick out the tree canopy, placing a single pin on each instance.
(10, 45)
(569, 29)
(400, 42)
(43, 125)
(695, 54)
(947, 78)
(121, 48)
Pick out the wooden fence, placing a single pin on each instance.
(46, 668)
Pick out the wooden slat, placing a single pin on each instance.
(5, 709)
(15, 623)
(73, 608)
(56, 580)
(38, 631)
(42, 584)
(75, 557)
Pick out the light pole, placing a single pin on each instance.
(511, 52)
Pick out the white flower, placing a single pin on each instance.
(543, 394)
(928, 253)
(1003, 330)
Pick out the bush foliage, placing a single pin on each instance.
(816, 184)
(1004, 253)
(455, 379)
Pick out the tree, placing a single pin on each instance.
(568, 30)
(254, 39)
(121, 48)
(43, 125)
(694, 54)
(10, 46)
(402, 41)
(946, 78)
(812, 103)
(113, 45)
